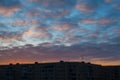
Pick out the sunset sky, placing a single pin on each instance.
(53, 30)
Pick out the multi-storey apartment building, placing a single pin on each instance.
(59, 71)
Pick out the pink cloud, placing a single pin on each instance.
(19, 23)
(63, 27)
(83, 8)
(108, 1)
(23, 23)
(87, 6)
(47, 3)
(33, 12)
(93, 35)
(100, 21)
(117, 6)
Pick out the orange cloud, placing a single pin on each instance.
(8, 11)
(18, 37)
(5, 40)
(34, 32)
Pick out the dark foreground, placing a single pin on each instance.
(59, 71)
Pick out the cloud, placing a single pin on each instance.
(8, 8)
(24, 23)
(3, 27)
(5, 40)
(83, 8)
(37, 32)
(55, 4)
(11, 3)
(63, 27)
(117, 6)
(87, 5)
(48, 14)
(108, 1)
(8, 11)
(19, 23)
(99, 21)
(8, 36)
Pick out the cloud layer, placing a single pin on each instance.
(48, 53)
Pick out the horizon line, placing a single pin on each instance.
(61, 61)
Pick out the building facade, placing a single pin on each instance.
(59, 71)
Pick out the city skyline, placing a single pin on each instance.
(54, 30)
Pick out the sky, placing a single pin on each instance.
(54, 30)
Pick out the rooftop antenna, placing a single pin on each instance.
(82, 58)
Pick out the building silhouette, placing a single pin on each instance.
(59, 71)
